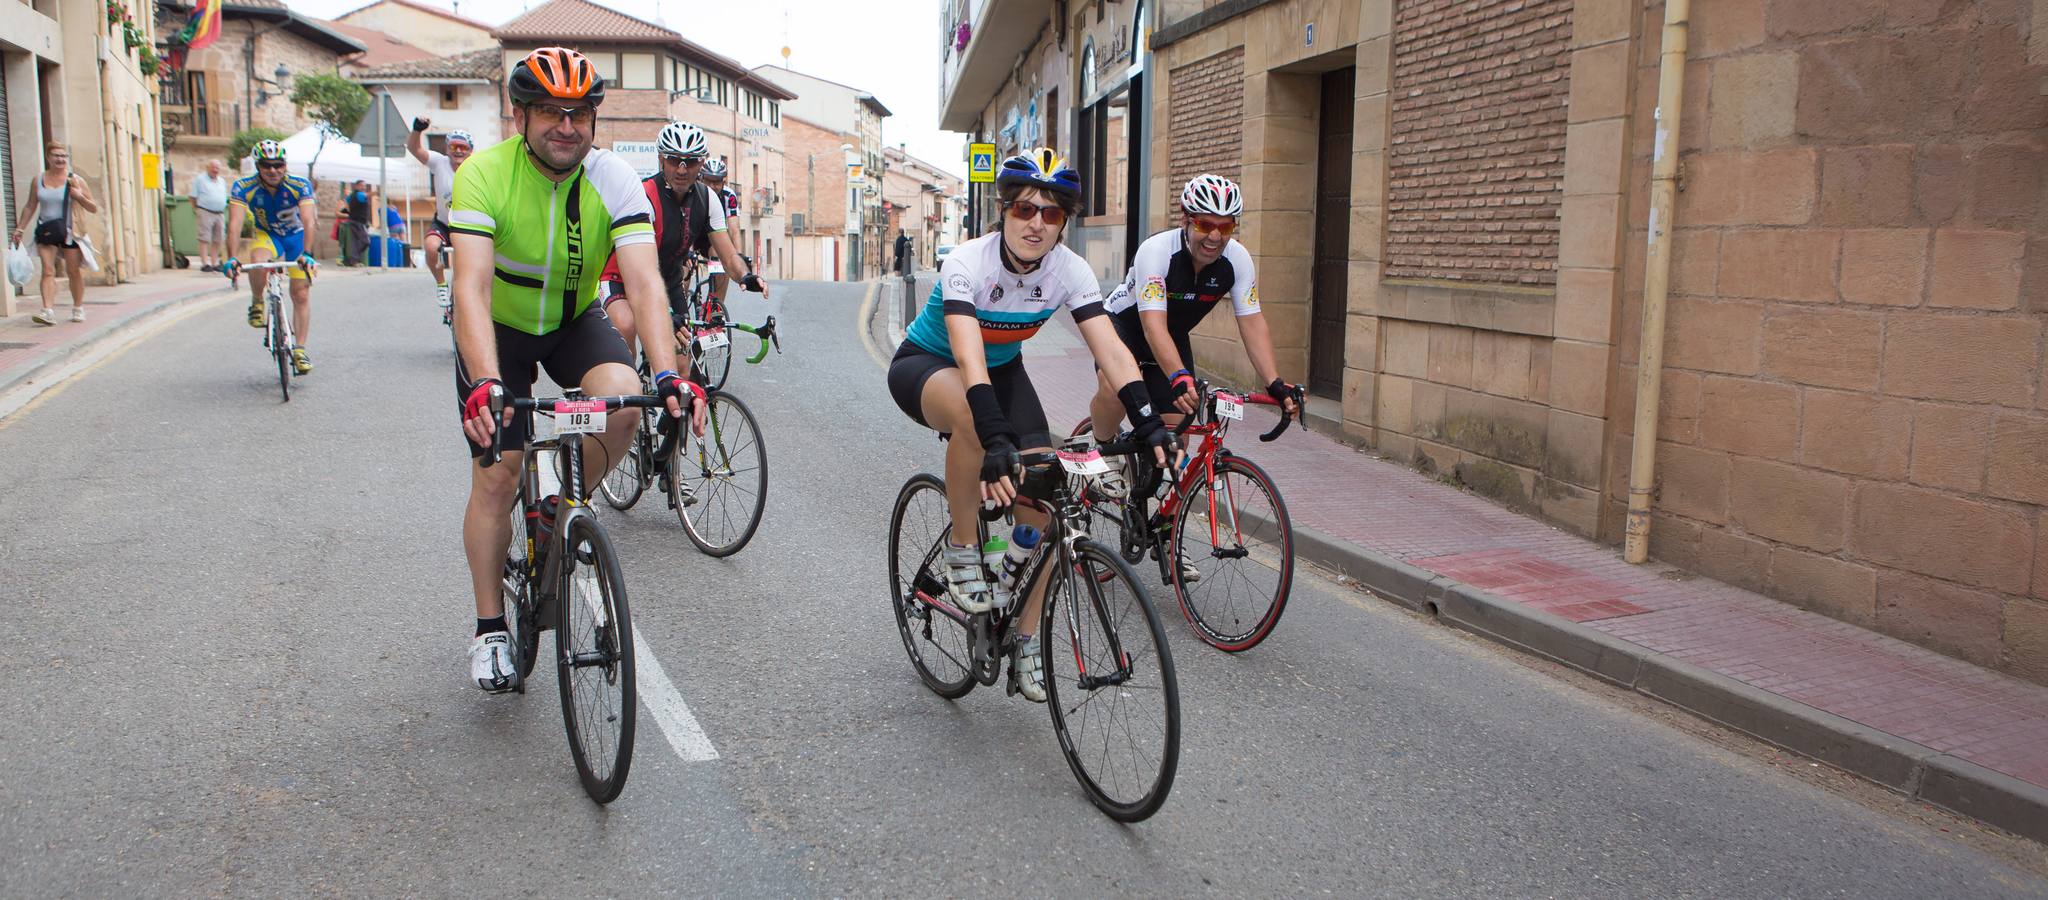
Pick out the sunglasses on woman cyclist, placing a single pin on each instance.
(1024, 210)
(1208, 225)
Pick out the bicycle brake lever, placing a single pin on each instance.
(497, 414)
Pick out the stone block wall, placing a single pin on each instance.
(1853, 417)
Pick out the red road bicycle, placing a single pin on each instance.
(1231, 559)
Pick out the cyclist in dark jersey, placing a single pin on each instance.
(713, 177)
(687, 217)
(1175, 279)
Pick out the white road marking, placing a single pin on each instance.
(666, 705)
(657, 693)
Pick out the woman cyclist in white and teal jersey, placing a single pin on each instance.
(960, 370)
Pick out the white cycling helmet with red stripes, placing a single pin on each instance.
(1211, 195)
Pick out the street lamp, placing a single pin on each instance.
(280, 79)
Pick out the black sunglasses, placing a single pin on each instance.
(270, 165)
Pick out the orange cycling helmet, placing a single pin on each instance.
(557, 73)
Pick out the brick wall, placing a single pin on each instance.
(1206, 131)
(1854, 417)
(1476, 155)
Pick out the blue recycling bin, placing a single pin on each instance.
(387, 252)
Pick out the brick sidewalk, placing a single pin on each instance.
(1940, 703)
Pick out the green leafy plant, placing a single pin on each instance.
(244, 142)
(334, 103)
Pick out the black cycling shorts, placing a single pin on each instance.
(1156, 381)
(914, 365)
(569, 353)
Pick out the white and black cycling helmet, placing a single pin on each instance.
(1211, 195)
(714, 169)
(682, 139)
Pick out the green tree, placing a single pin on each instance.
(336, 104)
(244, 143)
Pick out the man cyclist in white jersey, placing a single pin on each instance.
(530, 218)
(441, 168)
(687, 216)
(713, 178)
(1176, 277)
(960, 371)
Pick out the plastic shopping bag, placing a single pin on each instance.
(87, 254)
(21, 265)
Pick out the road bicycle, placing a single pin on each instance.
(278, 338)
(1220, 535)
(562, 574)
(1110, 683)
(717, 483)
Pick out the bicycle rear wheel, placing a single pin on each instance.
(1110, 683)
(934, 635)
(1235, 531)
(623, 485)
(720, 484)
(594, 660)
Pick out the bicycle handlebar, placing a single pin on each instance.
(1260, 398)
(765, 331)
(610, 405)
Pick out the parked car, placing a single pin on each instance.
(942, 251)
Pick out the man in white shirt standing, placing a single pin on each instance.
(210, 198)
(441, 172)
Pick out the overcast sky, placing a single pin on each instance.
(889, 48)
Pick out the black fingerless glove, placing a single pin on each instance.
(751, 282)
(419, 124)
(999, 458)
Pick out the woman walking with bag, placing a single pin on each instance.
(49, 206)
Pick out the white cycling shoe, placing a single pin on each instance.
(1030, 670)
(964, 581)
(491, 664)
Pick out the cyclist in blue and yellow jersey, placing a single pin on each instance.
(532, 220)
(284, 214)
(960, 370)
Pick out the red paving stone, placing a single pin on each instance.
(1954, 707)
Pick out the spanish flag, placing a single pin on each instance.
(204, 26)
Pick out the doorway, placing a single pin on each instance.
(1328, 289)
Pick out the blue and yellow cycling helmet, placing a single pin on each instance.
(1043, 169)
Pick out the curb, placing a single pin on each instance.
(1912, 769)
(81, 350)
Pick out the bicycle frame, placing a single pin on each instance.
(990, 635)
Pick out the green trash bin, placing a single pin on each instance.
(184, 223)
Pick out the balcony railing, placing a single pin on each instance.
(205, 120)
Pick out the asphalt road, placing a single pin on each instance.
(236, 665)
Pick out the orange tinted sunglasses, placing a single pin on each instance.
(1022, 211)
(1208, 225)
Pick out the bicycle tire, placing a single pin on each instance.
(916, 621)
(1065, 644)
(623, 485)
(281, 352)
(516, 602)
(730, 462)
(1228, 622)
(607, 660)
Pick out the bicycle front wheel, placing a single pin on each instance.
(594, 660)
(280, 351)
(1110, 684)
(720, 483)
(623, 485)
(1233, 529)
(934, 633)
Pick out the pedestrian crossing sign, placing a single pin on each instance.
(981, 163)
